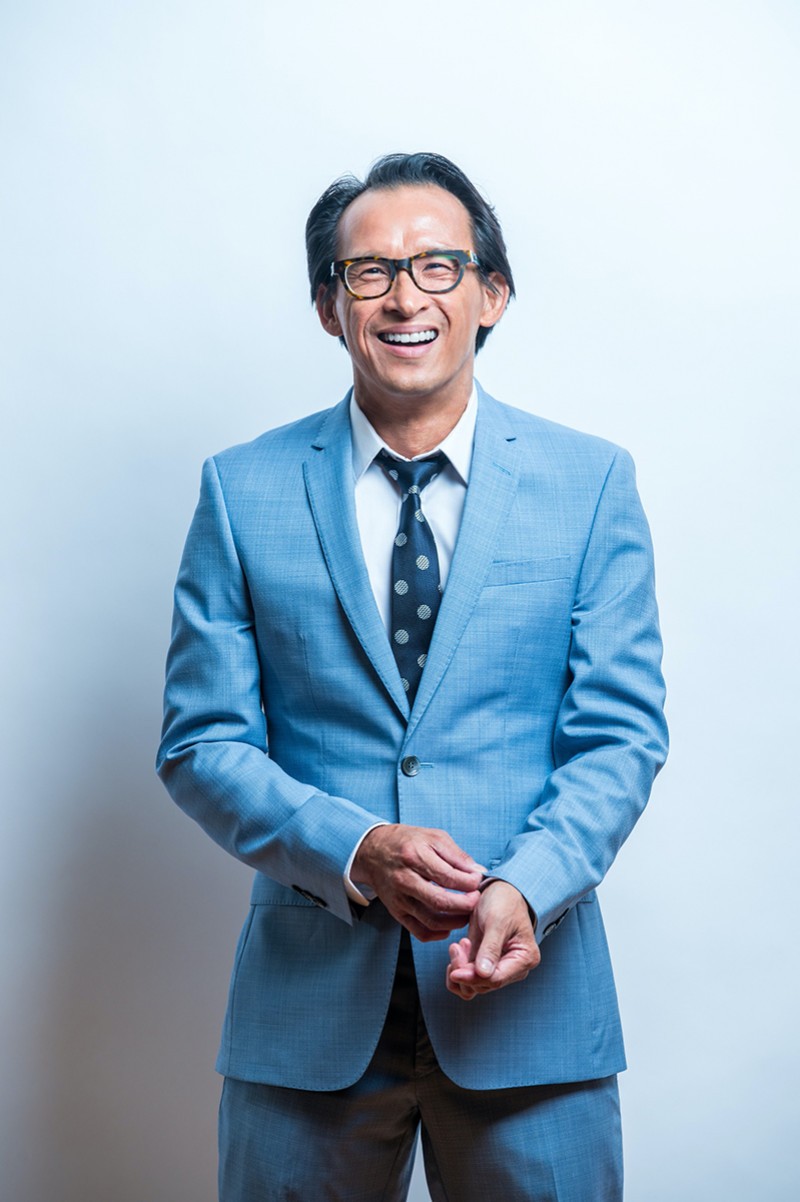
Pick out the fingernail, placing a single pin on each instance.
(485, 966)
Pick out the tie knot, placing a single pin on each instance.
(412, 474)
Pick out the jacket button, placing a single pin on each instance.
(410, 765)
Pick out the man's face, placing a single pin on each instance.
(397, 223)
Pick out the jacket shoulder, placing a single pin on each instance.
(541, 436)
(275, 457)
(294, 436)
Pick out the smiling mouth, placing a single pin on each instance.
(410, 339)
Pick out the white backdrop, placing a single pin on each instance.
(159, 160)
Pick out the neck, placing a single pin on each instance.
(411, 430)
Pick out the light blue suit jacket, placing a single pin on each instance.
(538, 726)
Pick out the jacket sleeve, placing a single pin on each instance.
(610, 737)
(213, 755)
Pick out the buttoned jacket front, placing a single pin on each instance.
(533, 740)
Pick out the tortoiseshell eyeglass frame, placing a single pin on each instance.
(464, 258)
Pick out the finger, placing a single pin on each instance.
(438, 900)
(488, 951)
(466, 992)
(451, 870)
(462, 968)
(454, 855)
(465, 973)
(433, 922)
(459, 953)
(436, 919)
(431, 867)
(514, 965)
(434, 929)
(451, 915)
(507, 971)
(466, 980)
(499, 925)
(424, 935)
(401, 853)
(510, 970)
(394, 849)
(523, 957)
(419, 930)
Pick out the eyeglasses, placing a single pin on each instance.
(431, 270)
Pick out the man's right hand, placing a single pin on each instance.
(427, 883)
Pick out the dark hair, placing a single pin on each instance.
(395, 171)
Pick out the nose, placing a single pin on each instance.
(404, 295)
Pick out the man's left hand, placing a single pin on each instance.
(500, 948)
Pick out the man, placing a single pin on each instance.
(414, 682)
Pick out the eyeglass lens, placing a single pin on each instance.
(434, 273)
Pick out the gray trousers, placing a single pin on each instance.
(547, 1143)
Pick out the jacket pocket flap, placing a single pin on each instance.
(529, 571)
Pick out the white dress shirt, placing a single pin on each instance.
(378, 501)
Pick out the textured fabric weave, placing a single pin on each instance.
(537, 726)
(541, 1143)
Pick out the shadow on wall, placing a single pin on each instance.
(144, 934)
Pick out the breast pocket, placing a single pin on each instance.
(529, 571)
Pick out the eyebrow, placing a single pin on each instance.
(379, 254)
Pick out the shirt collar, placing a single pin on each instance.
(457, 446)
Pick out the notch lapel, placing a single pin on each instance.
(329, 485)
(492, 486)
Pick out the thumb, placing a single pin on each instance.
(487, 953)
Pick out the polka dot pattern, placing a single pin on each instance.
(416, 588)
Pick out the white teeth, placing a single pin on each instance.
(417, 336)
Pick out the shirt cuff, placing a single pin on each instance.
(361, 894)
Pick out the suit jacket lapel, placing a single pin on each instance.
(492, 486)
(329, 484)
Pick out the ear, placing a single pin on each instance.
(495, 299)
(326, 300)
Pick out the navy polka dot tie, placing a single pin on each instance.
(416, 591)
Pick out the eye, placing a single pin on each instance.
(360, 272)
(438, 268)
